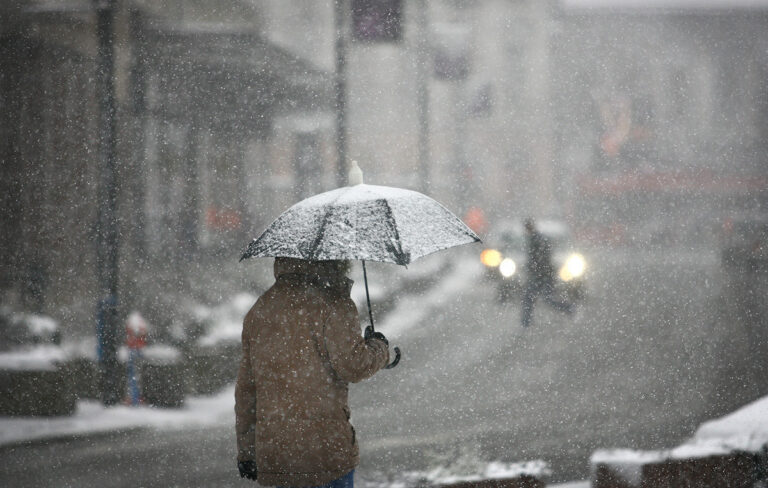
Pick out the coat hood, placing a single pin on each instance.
(330, 275)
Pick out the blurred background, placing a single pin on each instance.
(144, 144)
(639, 123)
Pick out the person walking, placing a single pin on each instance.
(541, 274)
(301, 348)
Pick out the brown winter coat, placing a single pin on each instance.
(301, 347)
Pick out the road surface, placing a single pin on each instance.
(656, 348)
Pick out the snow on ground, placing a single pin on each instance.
(375, 290)
(412, 310)
(743, 430)
(442, 475)
(155, 354)
(746, 429)
(91, 417)
(40, 325)
(225, 321)
(42, 357)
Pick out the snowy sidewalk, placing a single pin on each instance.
(744, 429)
(93, 418)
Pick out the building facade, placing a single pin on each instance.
(595, 111)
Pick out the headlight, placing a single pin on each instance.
(574, 267)
(490, 257)
(507, 267)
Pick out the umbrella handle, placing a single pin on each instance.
(397, 359)
(367, 296)
(370, 315)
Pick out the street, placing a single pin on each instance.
(652, 352)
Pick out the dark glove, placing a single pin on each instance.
(247, 469)
(371, 334)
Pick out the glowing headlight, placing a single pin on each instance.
(490, 257)
(507, 268)
(574, 267)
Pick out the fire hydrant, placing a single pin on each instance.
(135, 339)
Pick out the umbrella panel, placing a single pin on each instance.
(363, 222)
(348, 231)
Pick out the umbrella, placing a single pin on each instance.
(362, 222)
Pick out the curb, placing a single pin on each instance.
(66, 437)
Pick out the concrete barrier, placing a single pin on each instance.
(36, 393)
(735, 470)
(162, 378)
(209, 369)
(163, 385)
(607, 476)
(85, 378)
(651, 469)
(161, 373)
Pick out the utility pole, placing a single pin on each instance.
(189, 213)
(422, 93)
(107, 233)
(340, 16)
(541, 136)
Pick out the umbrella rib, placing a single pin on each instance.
(321, 230)
(401, 257)
(320, 234)
(253, 246)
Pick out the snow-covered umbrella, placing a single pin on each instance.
(362, 222)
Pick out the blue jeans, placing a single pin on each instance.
(346, 481)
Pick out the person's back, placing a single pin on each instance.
(539, 258)
(540, 280)
(301, 348)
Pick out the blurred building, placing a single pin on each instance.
(601, 112)
(662, 116)
(607, 113)
(198, 92)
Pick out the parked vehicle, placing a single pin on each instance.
(505, 259)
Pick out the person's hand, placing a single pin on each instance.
(247, 469)
(371, 334)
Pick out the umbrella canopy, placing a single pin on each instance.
(366, 222)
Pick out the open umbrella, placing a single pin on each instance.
(365, 222)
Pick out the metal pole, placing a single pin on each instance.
(107, 233)
(542, 137)
(341, 88)
(460, 142)
(191, 188)
(422, 93)
(367, 296)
